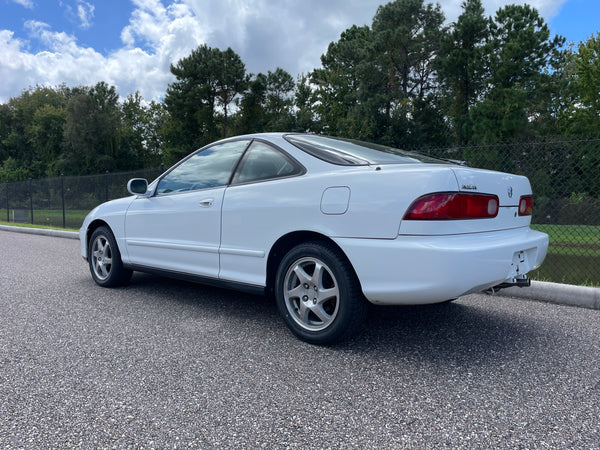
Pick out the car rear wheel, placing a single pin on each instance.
(318, 294)
(105, 261)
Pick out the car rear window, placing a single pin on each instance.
(349, 152)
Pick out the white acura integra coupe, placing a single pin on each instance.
(322, 224)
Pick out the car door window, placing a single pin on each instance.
(209, 168)
(263, 162)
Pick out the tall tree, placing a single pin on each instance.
(462, 66)
(21, 138)
(231, 82)
(407, 35)
(5, 119)
(338, 81)
(519, 50)
(139, 141)
(46, 135)
(91, 131)
(251, 117)
(279, 100)
(305, 102)
(584, 111)
(205, 79)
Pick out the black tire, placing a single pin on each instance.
(104, 259)
(318, 294)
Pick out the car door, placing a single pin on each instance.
(178, 228)
(257, 209)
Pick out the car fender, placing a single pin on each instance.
(112, 213)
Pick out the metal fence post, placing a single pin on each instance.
(7, 205)
(62, 194)
(31, 200)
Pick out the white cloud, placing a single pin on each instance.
(547, 8)
(85, 12)
(291, 34)
(155, 37)
(26, 3)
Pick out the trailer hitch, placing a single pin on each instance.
(518, 281)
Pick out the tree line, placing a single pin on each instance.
(408, 80)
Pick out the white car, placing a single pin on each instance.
(322, 224)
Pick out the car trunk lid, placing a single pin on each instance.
(508, 188)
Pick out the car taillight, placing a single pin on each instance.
(453, 206)
(526, 205)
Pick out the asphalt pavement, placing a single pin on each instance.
(168, 364)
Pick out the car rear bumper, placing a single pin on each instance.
(430, 269)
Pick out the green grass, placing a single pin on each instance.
(53, 218)
(573, 255)
(573, 240)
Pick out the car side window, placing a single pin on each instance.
(263, 162)
(209, 168)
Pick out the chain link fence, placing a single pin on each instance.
(565, 176)
(63, 201)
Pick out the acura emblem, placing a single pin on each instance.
(510, 192)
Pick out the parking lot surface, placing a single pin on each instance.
(168, 364)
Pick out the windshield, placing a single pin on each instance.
(349, 152)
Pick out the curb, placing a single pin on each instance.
(562, 294)
(42, 231)
(543, 291)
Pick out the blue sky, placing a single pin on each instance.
(576, 20)
(130, 43)
(95, 23)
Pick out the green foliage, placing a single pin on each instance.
(407, 80)
(380, 83)
(11, 171)
(206, 80)
(339, 83)
(46, 136)
(519, 49)
(139, 133)
(463, 66)
(305, 102)
(252, 115)
(91, 131)
(53, 131)
(279, 100)
(582, 115)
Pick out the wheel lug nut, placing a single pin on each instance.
(305, 297)
(306, 286)
(314, 301)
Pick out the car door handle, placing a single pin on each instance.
(207, 202)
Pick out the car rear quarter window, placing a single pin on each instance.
(264, 162)
(208, 168)
(350, 152)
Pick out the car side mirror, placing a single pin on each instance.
(137, 186)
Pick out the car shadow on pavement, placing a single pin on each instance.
(462, 331)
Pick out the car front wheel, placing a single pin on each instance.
(318, 294)
(105, 259)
